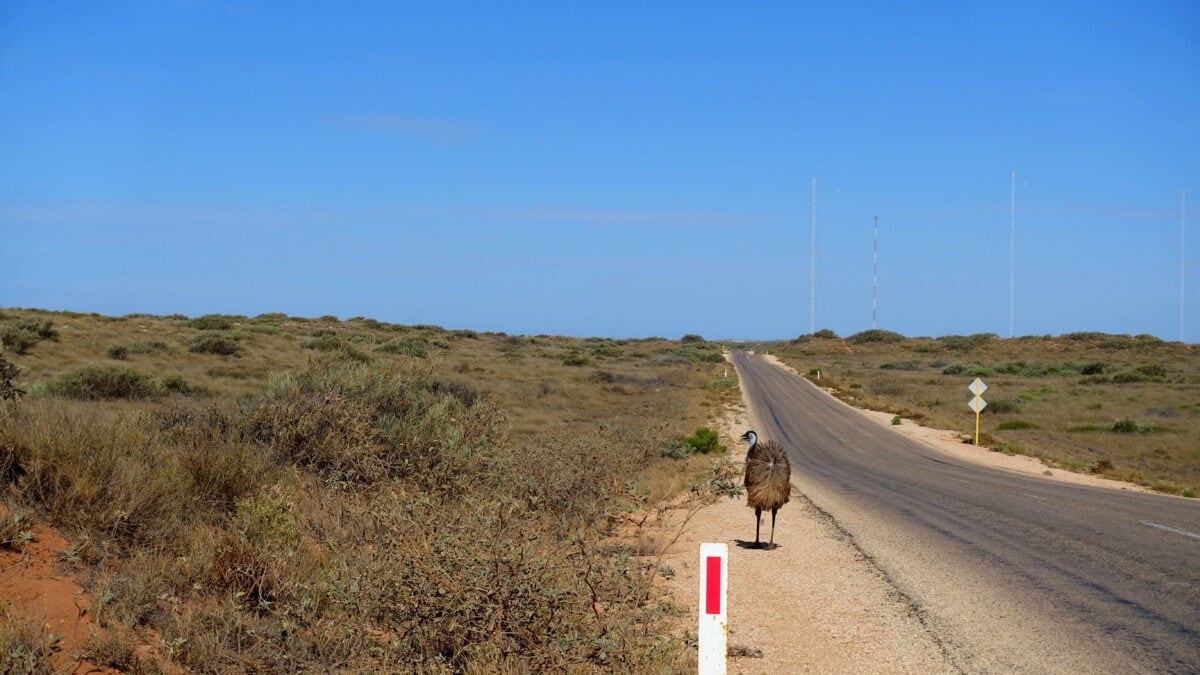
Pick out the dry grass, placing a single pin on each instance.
(353, 495)
(1124, 407)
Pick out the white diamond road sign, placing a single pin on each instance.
(977, 404)
(978, 387)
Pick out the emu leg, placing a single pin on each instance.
(772, 544)
(757, 525)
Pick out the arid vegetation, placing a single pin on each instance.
(1124, 407)
(277, 493)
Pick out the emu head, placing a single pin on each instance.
(750, 437)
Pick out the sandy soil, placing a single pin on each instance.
(36, 582)
(815, 603)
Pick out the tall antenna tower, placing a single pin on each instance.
(812, 306)
(875, 279)
(1182, 258)
(1012, 249)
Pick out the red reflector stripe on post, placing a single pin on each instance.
(712, 586)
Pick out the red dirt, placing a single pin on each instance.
(34, 581)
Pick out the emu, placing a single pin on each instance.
(768, 481)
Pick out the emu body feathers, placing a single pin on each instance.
(768, 481)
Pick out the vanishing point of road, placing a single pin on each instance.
(1008, 572)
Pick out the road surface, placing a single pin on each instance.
(1008, 572)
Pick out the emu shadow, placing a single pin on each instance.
(752, 544)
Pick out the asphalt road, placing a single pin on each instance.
(1010, 573)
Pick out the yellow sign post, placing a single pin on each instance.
(977, 404)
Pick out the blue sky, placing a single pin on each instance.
(619, 169)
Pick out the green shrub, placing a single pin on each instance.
(118, 352)
(1014, 424)
(705, 441)
(213, 322)
(903, 365)
(174, 384)
(1128, 377)
(20, 336)
(1153, 370)
(8, 373)
(691, 339)
(875, 335)
(1093, 368)
(576, 360)
(214, 343)
(101, 382)
(968, 369)
(413, 346)
(1128, 425)
(965, 343)
(1002, 406)
(148, 347)
(825, 334)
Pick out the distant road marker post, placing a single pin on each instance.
(977, 404)
(712, 636)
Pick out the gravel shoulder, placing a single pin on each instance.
(816, 603)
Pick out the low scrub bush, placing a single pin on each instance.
(365, 423)
(903, 365)
(8, 373)
(174, 384)
(968, 369)
(413, 346)
(214, 343)
(336, 345)
(1128, 425)
(700, 352)
(1014, 425)
(213, 322)
(88, 383)
(875, 335)
(1002, 406)
(965, 343)
(20, 336)
(576, 360)
(1154, 371)
(148, 347)
(25, 645)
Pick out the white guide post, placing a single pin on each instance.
(714, 622)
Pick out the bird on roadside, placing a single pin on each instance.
(768, 481)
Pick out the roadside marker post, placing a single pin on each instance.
(977, 404)
(712, 636)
